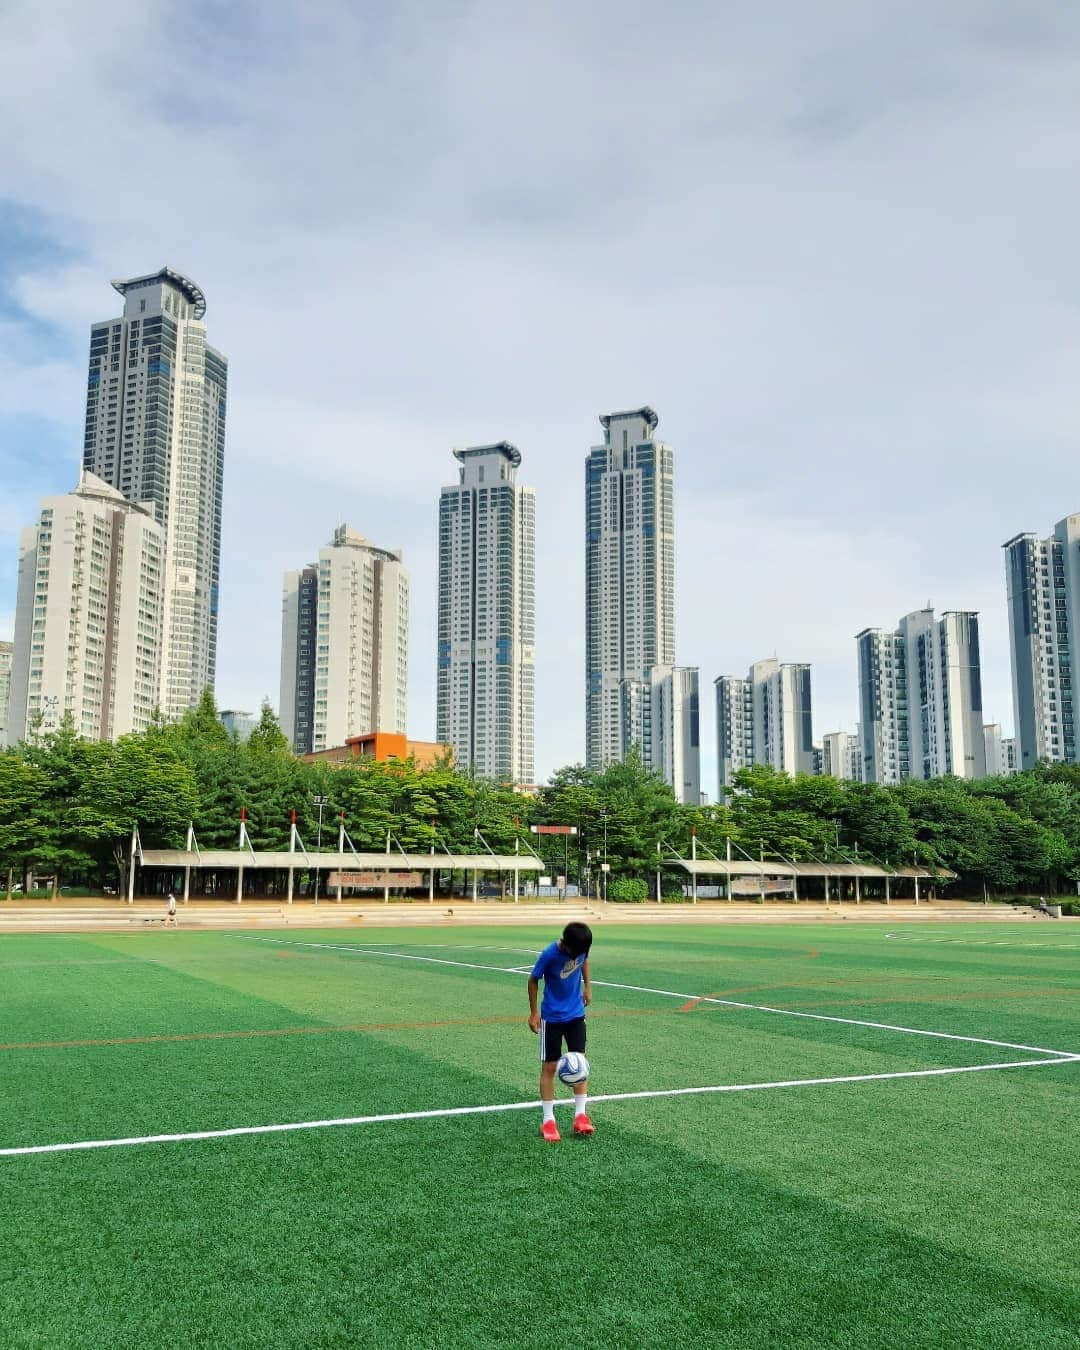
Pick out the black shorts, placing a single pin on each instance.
(552, 1035)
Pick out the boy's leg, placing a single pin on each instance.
(575, 1040)
(550, 1047)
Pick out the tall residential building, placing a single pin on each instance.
(299, 628)
(883, 707)
(661, 714)
(841, 755)
(6, 649)
(237, 723)
(486, 619)
(155, 429)
(88, 615)
(629, 572)
(1043, 586)
(1000, 751)
(783, 720)
(920, 698)
(765, 719)
(344, 645)
(734, 728)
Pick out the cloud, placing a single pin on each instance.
(832, 246)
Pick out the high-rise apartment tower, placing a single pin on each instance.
(629, 572)
(766, 718)
(1043, 587)
(920, 698)
(88, 616)
(6, 649)
(841, 755)
(1000, 751)
(155, 430)
(344, 645)
(662, 716)
(486, 618)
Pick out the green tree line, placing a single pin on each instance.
(67, 807)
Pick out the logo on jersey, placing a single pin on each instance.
(570, 967)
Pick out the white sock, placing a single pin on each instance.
(581, 1100)
(548, 1109)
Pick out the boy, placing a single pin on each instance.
(564, 968)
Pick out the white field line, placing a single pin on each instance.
(982, 942)
(519, 1106)
(698, 998)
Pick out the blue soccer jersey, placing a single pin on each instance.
(563, 1000)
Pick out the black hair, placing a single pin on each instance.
(577, 938)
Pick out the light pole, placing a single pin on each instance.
(607, 866)
(320, 802)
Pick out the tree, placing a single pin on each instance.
(137, 781)
(23, 790)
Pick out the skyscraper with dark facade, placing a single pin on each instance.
(155, 430)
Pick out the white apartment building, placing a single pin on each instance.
(155, 430)
(883, 707)
(661, 714)
(920, 698)
(1000, 751)
(486, 616)
(766, 718)
(6, 649)
(841, 755)
(88, 616)
(734, 728)
(783, 722)
(1043, 588)
(629, 572)
(344, 644)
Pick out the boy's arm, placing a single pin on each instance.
(586, 983)
(534, 1014)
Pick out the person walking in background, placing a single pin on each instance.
(170, 916)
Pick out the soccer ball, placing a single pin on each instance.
(573, 1068)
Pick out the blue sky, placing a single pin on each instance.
(832, 245)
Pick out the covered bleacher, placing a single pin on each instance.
(839, 878)
(344, 869)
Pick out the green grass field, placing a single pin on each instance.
(938, 1210)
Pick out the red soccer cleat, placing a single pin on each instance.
(550, 1131)
(583, 1125)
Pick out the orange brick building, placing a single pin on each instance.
(382, 746)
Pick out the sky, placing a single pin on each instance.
(833, 245)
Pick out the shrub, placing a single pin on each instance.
(628, 889)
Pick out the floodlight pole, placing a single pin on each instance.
(292, 849)
(240, 865)
(341, 853)
(131, 866)
(659, 897)
(320, 802)
(693, 858)
(187, 870)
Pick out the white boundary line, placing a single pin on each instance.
(1065, 946)
(672, 993)
(448, 1111)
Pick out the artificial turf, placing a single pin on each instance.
(933, 1211)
